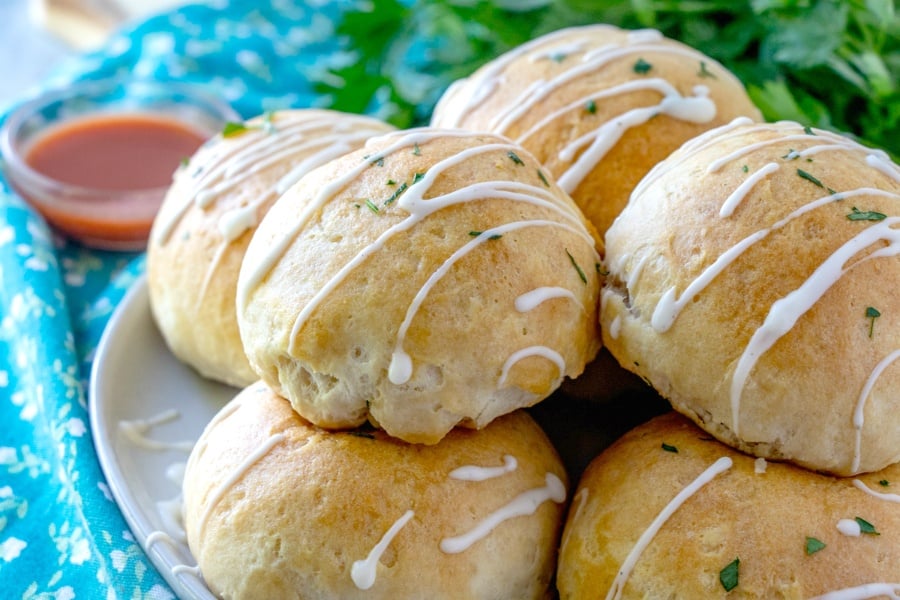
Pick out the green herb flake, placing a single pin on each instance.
(809, 178)
(418, 177)
(371, 206)
(791, 155)
(391, 182)
(669, 448)
(577, 268)
(642, 67)
(591, 107)
(865, 526)
(745, 169)
(515, 158)
(416, 150)
(396, 193)
(233, 129)
(705, 72)
(872, 313)
(866, 215)
(378, 162)
(495, 236)
(813, 545)
(884, 483)
(543, 178)
(808, 130)
(728, 576)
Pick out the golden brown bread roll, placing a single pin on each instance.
(753, 281)
(431, 279)
(209, 214)
(668, 512)
(598, 106)
(277, 508)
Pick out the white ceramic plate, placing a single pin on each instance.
(136, 380)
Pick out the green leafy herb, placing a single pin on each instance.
(872, 313)
(591, 107)
(396, 193)
(791, 155)
(577, 268)
(809, 177)
(515, 158)
(728, 576)
(371, 206)
(813, 545)
(669, 448)
(233, 129)
(391, 182)
(745, 169)
(808, 130)
(416, 150)
(378, 162)
(865, 215)
(704, 72)
(865, 526)
(543, 178)
(642, 67)
(495, 236)
(884, 483)
(418, 177)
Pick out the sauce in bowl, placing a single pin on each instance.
(96, 160)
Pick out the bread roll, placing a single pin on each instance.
(208, 216)
(277, 508)
(753, 281)
(433, 278)
(598, 106)
(668, 512)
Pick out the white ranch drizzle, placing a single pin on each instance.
(669, 306)
(859, 412)
(363, 571)
(543, 351)
(881, 496)
(524, 504)
(219, 492)
(400, 369)
(738, 195)
(849, 527)
(478, 473)
(136, 430)
(615, 328)
(720, 466)
(786, 311)
(879, 161)
(531, 300)
(864, 592)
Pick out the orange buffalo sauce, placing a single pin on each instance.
(115, 170)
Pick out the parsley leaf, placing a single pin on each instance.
(728, 576)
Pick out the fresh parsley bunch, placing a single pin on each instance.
(833, 64)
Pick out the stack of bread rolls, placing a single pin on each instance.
(396, 304)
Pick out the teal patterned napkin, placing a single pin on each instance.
(61, 533)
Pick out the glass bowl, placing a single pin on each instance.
(103, 214)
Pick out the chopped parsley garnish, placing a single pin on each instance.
(884, 483)
(233, 128)
(865, 526)
(591, 107)
(416, 150)
(418, 177)
(704, 72)
(642, 67)
(577, 268)
(543, 178)
(515, 158)
(371, 206)
(791, 155)
(495, 236)
(808, 130)
(391, 182)
(728, 576)
(745, 169)
(378, 162)
(809, 177)
(813, 545)
(396, 193)
(866, 215)
(669, 448)
(872, 313)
